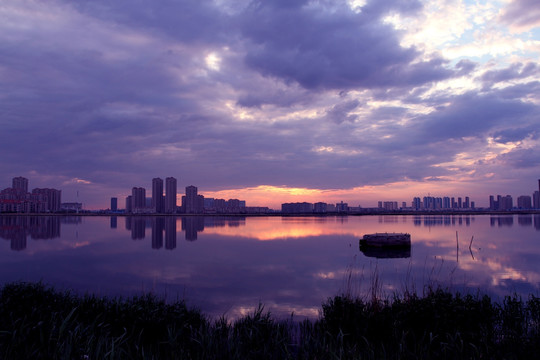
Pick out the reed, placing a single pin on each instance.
(38, 322)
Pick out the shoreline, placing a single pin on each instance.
(336, 214)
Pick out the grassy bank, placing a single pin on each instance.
(37, 322)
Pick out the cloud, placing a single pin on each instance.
(521, 15)
(513, 72)
(342, 111)
(308, 94)
(343, 50)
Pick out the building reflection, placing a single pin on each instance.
(170, 233)
(164, 228)
(500, 221)
(16, 229)
(525, 220)
(442, 220)
(114, 222)
(192, 225)
(137, 226)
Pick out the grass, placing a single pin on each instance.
(38, 322)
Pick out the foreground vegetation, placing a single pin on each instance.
(37, 322)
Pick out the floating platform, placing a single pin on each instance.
(386, 252)
(386, 240)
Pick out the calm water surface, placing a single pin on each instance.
(227, 266)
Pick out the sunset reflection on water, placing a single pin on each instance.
(228, 265)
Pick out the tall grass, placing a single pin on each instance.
(37, 322)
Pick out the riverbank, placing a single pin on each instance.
(37, 321)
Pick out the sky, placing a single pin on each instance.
(272, 101)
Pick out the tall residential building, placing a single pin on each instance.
(416, 203)
(536, 200)
(129, 204)
(536, 197)
(20, 183)
(114, 204)
(505, 202)
(193, 203)
(51, 197)
(138, 198)
(524, 202)
(170, 195)
(157, 195)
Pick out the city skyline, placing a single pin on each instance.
(17, 199)
(272, 101)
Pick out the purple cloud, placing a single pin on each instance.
(342, 51)
(522, 14)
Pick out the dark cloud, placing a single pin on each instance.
(342, 112)
(189, 21)
(117, 93)
(521, 158)
(342, 51)
(516, 134)
(465, 67)
(472, 115)
(513, 72)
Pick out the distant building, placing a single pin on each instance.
(388, 205)
(138, 199)
(297, 208)
(157, 195)
(170, 195)
(20, 183)
(342, 207)
(114, 204)
(17, 199)
(505, 202)
(524, 202)
(52, 197)
(536, 199)
(129, 204)
(192, 203)
(320, 208)
(71, 207)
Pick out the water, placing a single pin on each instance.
(228, 265)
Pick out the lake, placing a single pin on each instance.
(228, 265)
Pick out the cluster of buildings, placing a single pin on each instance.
(317, 208)
(524, 202)
(442, 203)
(192, 201)
(17, 198)
(159, 203)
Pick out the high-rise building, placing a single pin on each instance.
(193, 203)
(170, 195)
(114, 204)
(138, 198)
(20, 183)
(157, 195)
(524, 202)
(505, 202)
(536, 197)
(129, 204)
(51, 197)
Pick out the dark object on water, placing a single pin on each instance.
(394, 252)
(386, 240)
(386, 245)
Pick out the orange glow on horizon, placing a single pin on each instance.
(364, 196)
